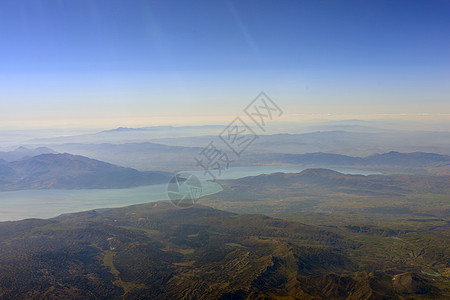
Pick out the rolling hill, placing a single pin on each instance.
(325, 191)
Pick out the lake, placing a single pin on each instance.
(18, 205)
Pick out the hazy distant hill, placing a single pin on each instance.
(132, 135)
(407, 159)
(22, 152)
(150, 156)
(157, 251)
(337, 141)
(355, 143)
(68, 171)
(173, 148)
(142, 156)
(393, 158)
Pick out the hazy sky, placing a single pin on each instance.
(138, 63)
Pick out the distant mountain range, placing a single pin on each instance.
(393, 158)
(66, 171)
(132, 135)
(154, 156)
(23, 152)
(336, 141)
(161, 128)
(141, 156)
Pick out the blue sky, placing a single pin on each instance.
(109, 63)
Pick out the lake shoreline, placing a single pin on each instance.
(48, 203)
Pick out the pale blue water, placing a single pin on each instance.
(18, 205)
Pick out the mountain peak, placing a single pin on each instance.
(24, 153)
(319, 172)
